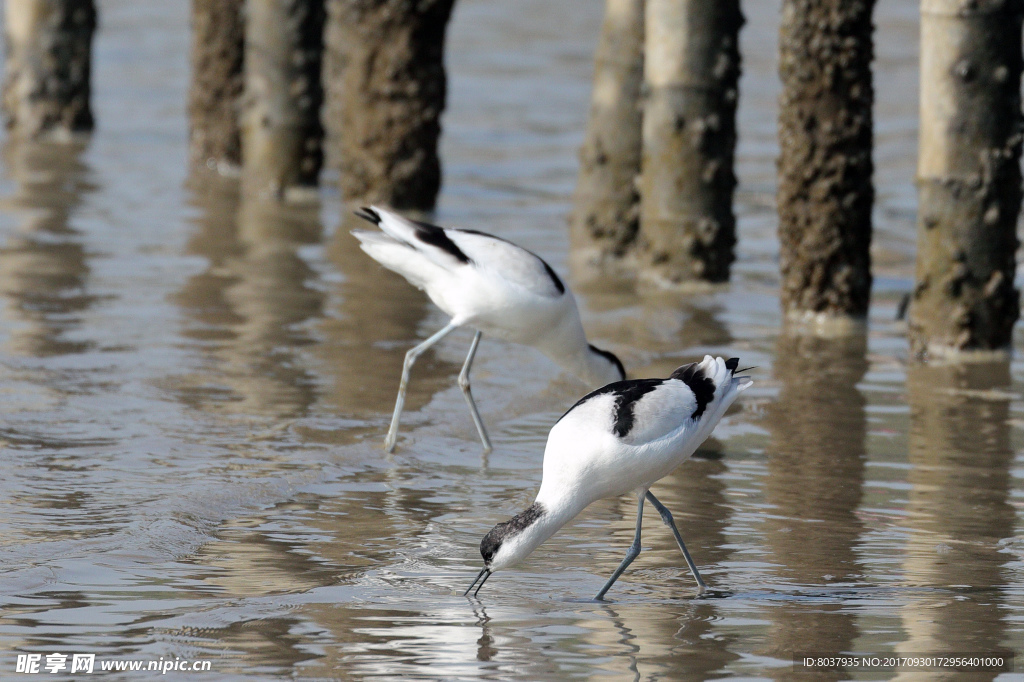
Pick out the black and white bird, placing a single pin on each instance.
(489, 284)
(618, 439)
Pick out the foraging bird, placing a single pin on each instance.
(491, 285)
(618, 439)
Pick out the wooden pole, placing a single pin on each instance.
(605, 216)
(691, 74)
(280, 127)
(969, 178)
(48, 66)
(217, 84)
(825, 166)
(390, 95)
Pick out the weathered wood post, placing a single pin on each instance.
(215, 94)
(825, 165)
(280, 126)
(390, 96)
(969, 178)
(691, 75)
(605, 215)
(48, 66)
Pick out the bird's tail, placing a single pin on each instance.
(714, 380)
(723, 373)
(430, 240)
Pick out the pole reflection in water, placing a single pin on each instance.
(816, 463)
(958, 508)
(44, 288)
(249, 307)
(668, 639)
(43, 267)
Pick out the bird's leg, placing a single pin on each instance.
(666, 516)
(464, 385)
(410, 358)
(632, 553)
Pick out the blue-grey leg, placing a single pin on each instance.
(666, 516)
(410, 358)
(464, 385)
(632, 553)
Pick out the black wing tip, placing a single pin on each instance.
(367, 213)
(733, 363)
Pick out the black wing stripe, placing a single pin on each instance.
(702, 386)
(625, 403)
(435, 236)
(626, 393)
(551, 273)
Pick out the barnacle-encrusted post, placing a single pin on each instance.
(48, 67)
(605, 216)
(825, 166)
(214, 97)
(388, 90)
(969, 178)
(691, 74)
(280, 123)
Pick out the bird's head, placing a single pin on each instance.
(511, 541)
(605, 366)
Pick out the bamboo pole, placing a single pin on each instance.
(217, 84)
(605, 216)
(691, 74)
(281, 133)
(968, 177)
(390, 96)
(48, 67)
(825, 193)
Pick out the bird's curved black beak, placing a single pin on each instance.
(484, 573)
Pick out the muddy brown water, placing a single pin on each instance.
(195, 390)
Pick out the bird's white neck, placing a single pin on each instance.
(566, 343)
(516, 547)
(590, 365)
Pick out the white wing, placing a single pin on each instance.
(512, 263)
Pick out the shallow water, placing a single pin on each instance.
(196, 388)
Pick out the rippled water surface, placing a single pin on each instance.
(195, 389)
